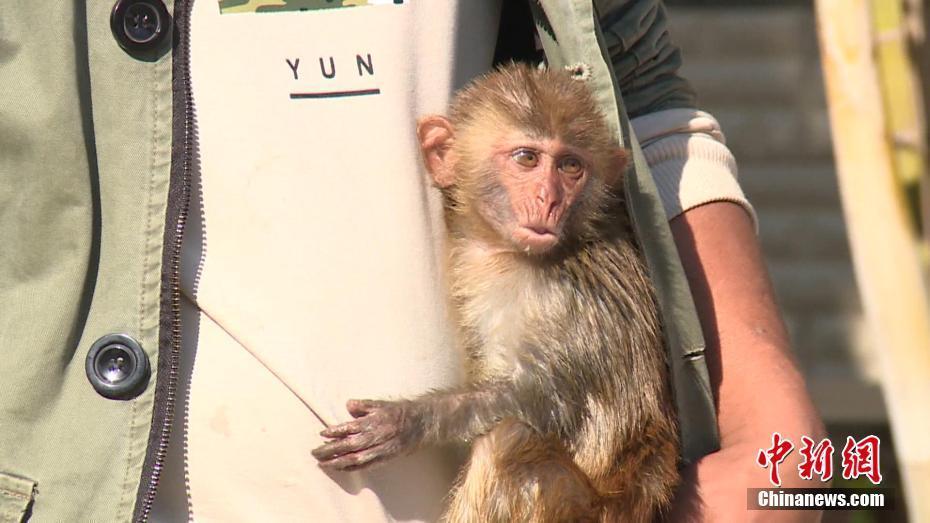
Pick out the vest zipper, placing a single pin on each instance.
(183, 145)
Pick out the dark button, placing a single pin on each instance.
(140, 25)
(117, 367)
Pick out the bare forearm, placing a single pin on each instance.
(759, 389)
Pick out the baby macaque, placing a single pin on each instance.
(567, 405)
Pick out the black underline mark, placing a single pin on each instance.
(335, 94)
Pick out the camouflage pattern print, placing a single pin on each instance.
(276, 6)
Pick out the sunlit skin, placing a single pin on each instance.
(543, 179)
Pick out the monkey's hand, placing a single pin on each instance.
(381, 430)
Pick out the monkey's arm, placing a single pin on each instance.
(384, 429)
(758, 386)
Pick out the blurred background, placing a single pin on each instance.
(756, 65)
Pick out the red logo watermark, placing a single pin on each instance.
(859, 458)
(816, 460)
(773, 456)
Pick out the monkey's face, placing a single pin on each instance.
(525, 159)
(531, 189)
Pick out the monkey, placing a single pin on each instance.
(567, 405)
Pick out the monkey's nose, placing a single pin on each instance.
(548, 196)
(542, 194)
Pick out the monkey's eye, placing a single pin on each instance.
(571, 166)
(525, 157)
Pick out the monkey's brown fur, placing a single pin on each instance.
(567, 403)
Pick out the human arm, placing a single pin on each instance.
(757, 385)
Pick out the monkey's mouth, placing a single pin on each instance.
(535, 238)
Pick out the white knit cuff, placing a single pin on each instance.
(691, 164)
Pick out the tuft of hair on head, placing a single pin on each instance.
(544, 103)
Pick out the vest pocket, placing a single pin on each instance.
(16, 496)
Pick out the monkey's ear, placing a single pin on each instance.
(619, 161)
(436, 138)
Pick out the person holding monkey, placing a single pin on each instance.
(237, 237)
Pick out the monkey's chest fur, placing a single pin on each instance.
(586, 325)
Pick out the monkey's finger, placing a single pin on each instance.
(367, 464)
(340, 447)
(342, 430)
(362, 459)
(359, 408)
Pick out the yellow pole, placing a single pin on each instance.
(904, 107)
(884, 248)
(900, 91)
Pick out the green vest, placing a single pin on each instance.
(571, 36)
(96, 152)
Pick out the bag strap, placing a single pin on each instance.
(571, 37)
